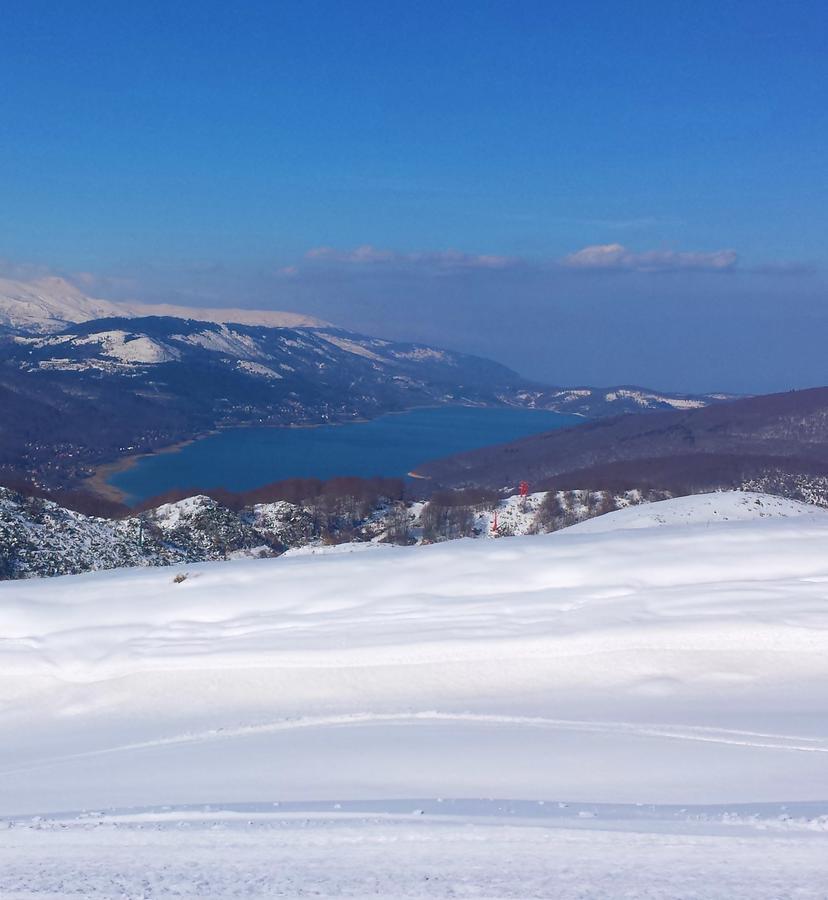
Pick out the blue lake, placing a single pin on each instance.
(391, 445)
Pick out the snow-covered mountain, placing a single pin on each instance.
(228, 316)
(647, 706)
(53, 305)
(596, 402)
(127, 346)
(49, 305)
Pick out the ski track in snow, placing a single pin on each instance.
(731, 737)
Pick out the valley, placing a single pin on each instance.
(776, 442)
(79, 392)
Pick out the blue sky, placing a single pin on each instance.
(590, 192)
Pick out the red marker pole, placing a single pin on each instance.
(523, 488)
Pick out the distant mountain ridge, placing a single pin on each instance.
(776, 442)
(112, 386)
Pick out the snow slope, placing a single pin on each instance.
(699, 509)
(609, 683)
(443, 850)
(684, 663)
(50, 304)
(270, 318)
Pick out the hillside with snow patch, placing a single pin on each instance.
(40, 538)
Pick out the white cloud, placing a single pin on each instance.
(610, 257)
(363, 254)
(606, 257)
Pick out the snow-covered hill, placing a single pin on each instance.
(650, 703)
(40, 538)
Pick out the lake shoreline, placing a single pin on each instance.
(100, 481)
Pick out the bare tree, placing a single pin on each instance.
(398, 530)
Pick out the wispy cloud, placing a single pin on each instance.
(617, 257)
(368, 255)
(596, 257)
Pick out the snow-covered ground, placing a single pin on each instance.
(435, 850)
(700, 509)
(632, 674)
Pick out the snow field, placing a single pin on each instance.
(608, 680)
(686, 663)
(217, 854)
(700, 509)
